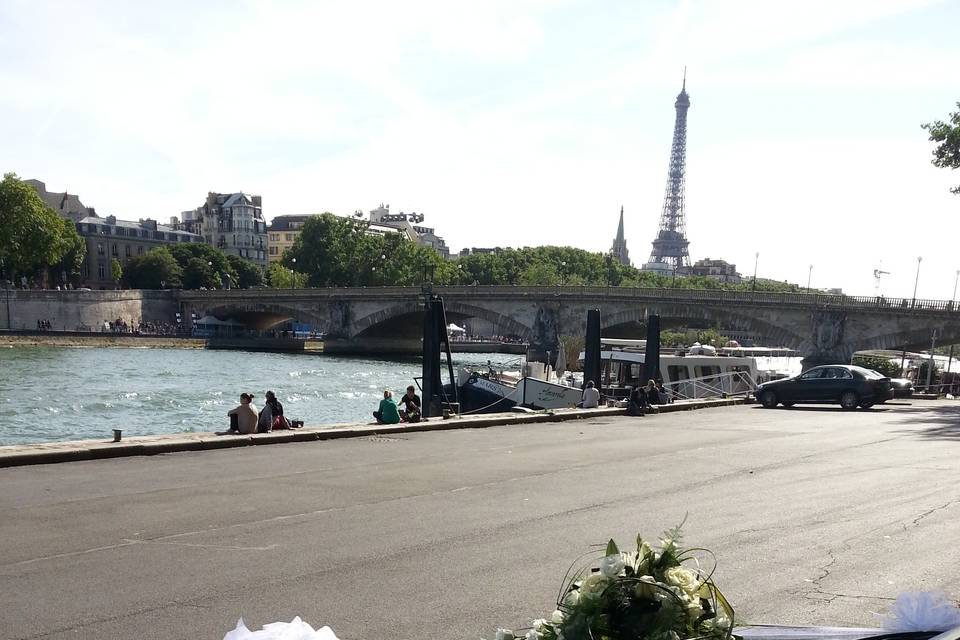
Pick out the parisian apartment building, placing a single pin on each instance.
(109, 238)
(232, 222)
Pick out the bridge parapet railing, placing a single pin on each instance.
(718, 296)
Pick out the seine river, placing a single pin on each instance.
(50, 394)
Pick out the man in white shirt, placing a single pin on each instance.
(591, 396)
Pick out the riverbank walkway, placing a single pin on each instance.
(816, 516)
(73, 451)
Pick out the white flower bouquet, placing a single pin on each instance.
(646, 594)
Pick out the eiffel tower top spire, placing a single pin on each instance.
(670, 246)
(619, 248)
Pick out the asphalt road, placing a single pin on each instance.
(817, 516)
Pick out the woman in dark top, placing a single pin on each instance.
(638, 403)
(271, 417)
(653, 396)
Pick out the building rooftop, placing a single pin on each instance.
(150, 225)
(282, 223)
(62, 202)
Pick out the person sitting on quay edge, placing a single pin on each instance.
(638, 403)
(271, 416)
(664, 395)
(387, 413)
(653, 395)
(411, 406)
(591, 396)
(246, 416)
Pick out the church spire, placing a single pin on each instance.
(619, 248)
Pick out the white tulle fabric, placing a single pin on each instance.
(922, 611)
(296, 629)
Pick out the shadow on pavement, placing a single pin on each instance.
(822, 408)
(942, 423)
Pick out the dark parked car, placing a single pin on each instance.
(902, 388)
(849, 385)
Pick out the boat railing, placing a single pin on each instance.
(720, 385)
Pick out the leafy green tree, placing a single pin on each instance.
(198, 273)
(248, 274)
(216, 259)
(156, 269)
(882, 365)
(34, 236)
(540, 273)
(281, 277)
(116, 270)
(947, 135)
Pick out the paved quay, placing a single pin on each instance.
(75, 450)
(816, 515)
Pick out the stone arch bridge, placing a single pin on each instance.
(822, 327)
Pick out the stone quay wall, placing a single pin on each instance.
(83, 310)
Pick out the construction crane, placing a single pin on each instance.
(876, 278)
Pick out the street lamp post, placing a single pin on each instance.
(756, 259)
(6, 289)
(809, 275)
(563, 272)
(954, 298)
(916, 281)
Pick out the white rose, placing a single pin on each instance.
(572, 598)
(593, 585)
(683, 578)
(557, 617)
(611, 565)
(532, 635)
(538, 624)
(505, 634)
(694, 610)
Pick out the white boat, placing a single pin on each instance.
(492, 391)
(694, 373)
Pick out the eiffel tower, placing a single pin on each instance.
(670, 246)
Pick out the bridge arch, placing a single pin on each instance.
(263, 316)
(913, 338)
(456, 311)
(710, 316)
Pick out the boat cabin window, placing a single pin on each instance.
(705, 371)
(678, 372)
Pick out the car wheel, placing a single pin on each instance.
(849, 400)
(788, 404)
(768, 399)
(866, 405)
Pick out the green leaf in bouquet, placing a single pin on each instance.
(612, 548)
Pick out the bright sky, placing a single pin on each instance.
(512, 123)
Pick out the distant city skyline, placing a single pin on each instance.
(512, 123)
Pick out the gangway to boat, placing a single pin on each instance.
(719, 385)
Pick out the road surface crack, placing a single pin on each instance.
(916, 521)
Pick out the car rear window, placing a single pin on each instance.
(868, 373)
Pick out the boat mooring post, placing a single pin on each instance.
(651, 358)
(435, 338)
(591, 355)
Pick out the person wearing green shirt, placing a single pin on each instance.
(387, 413)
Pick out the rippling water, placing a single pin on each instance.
(49, 394)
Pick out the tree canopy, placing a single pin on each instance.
(156, 269)
(339, 252)
(947, 135)
(34, 236)
(197, 265)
